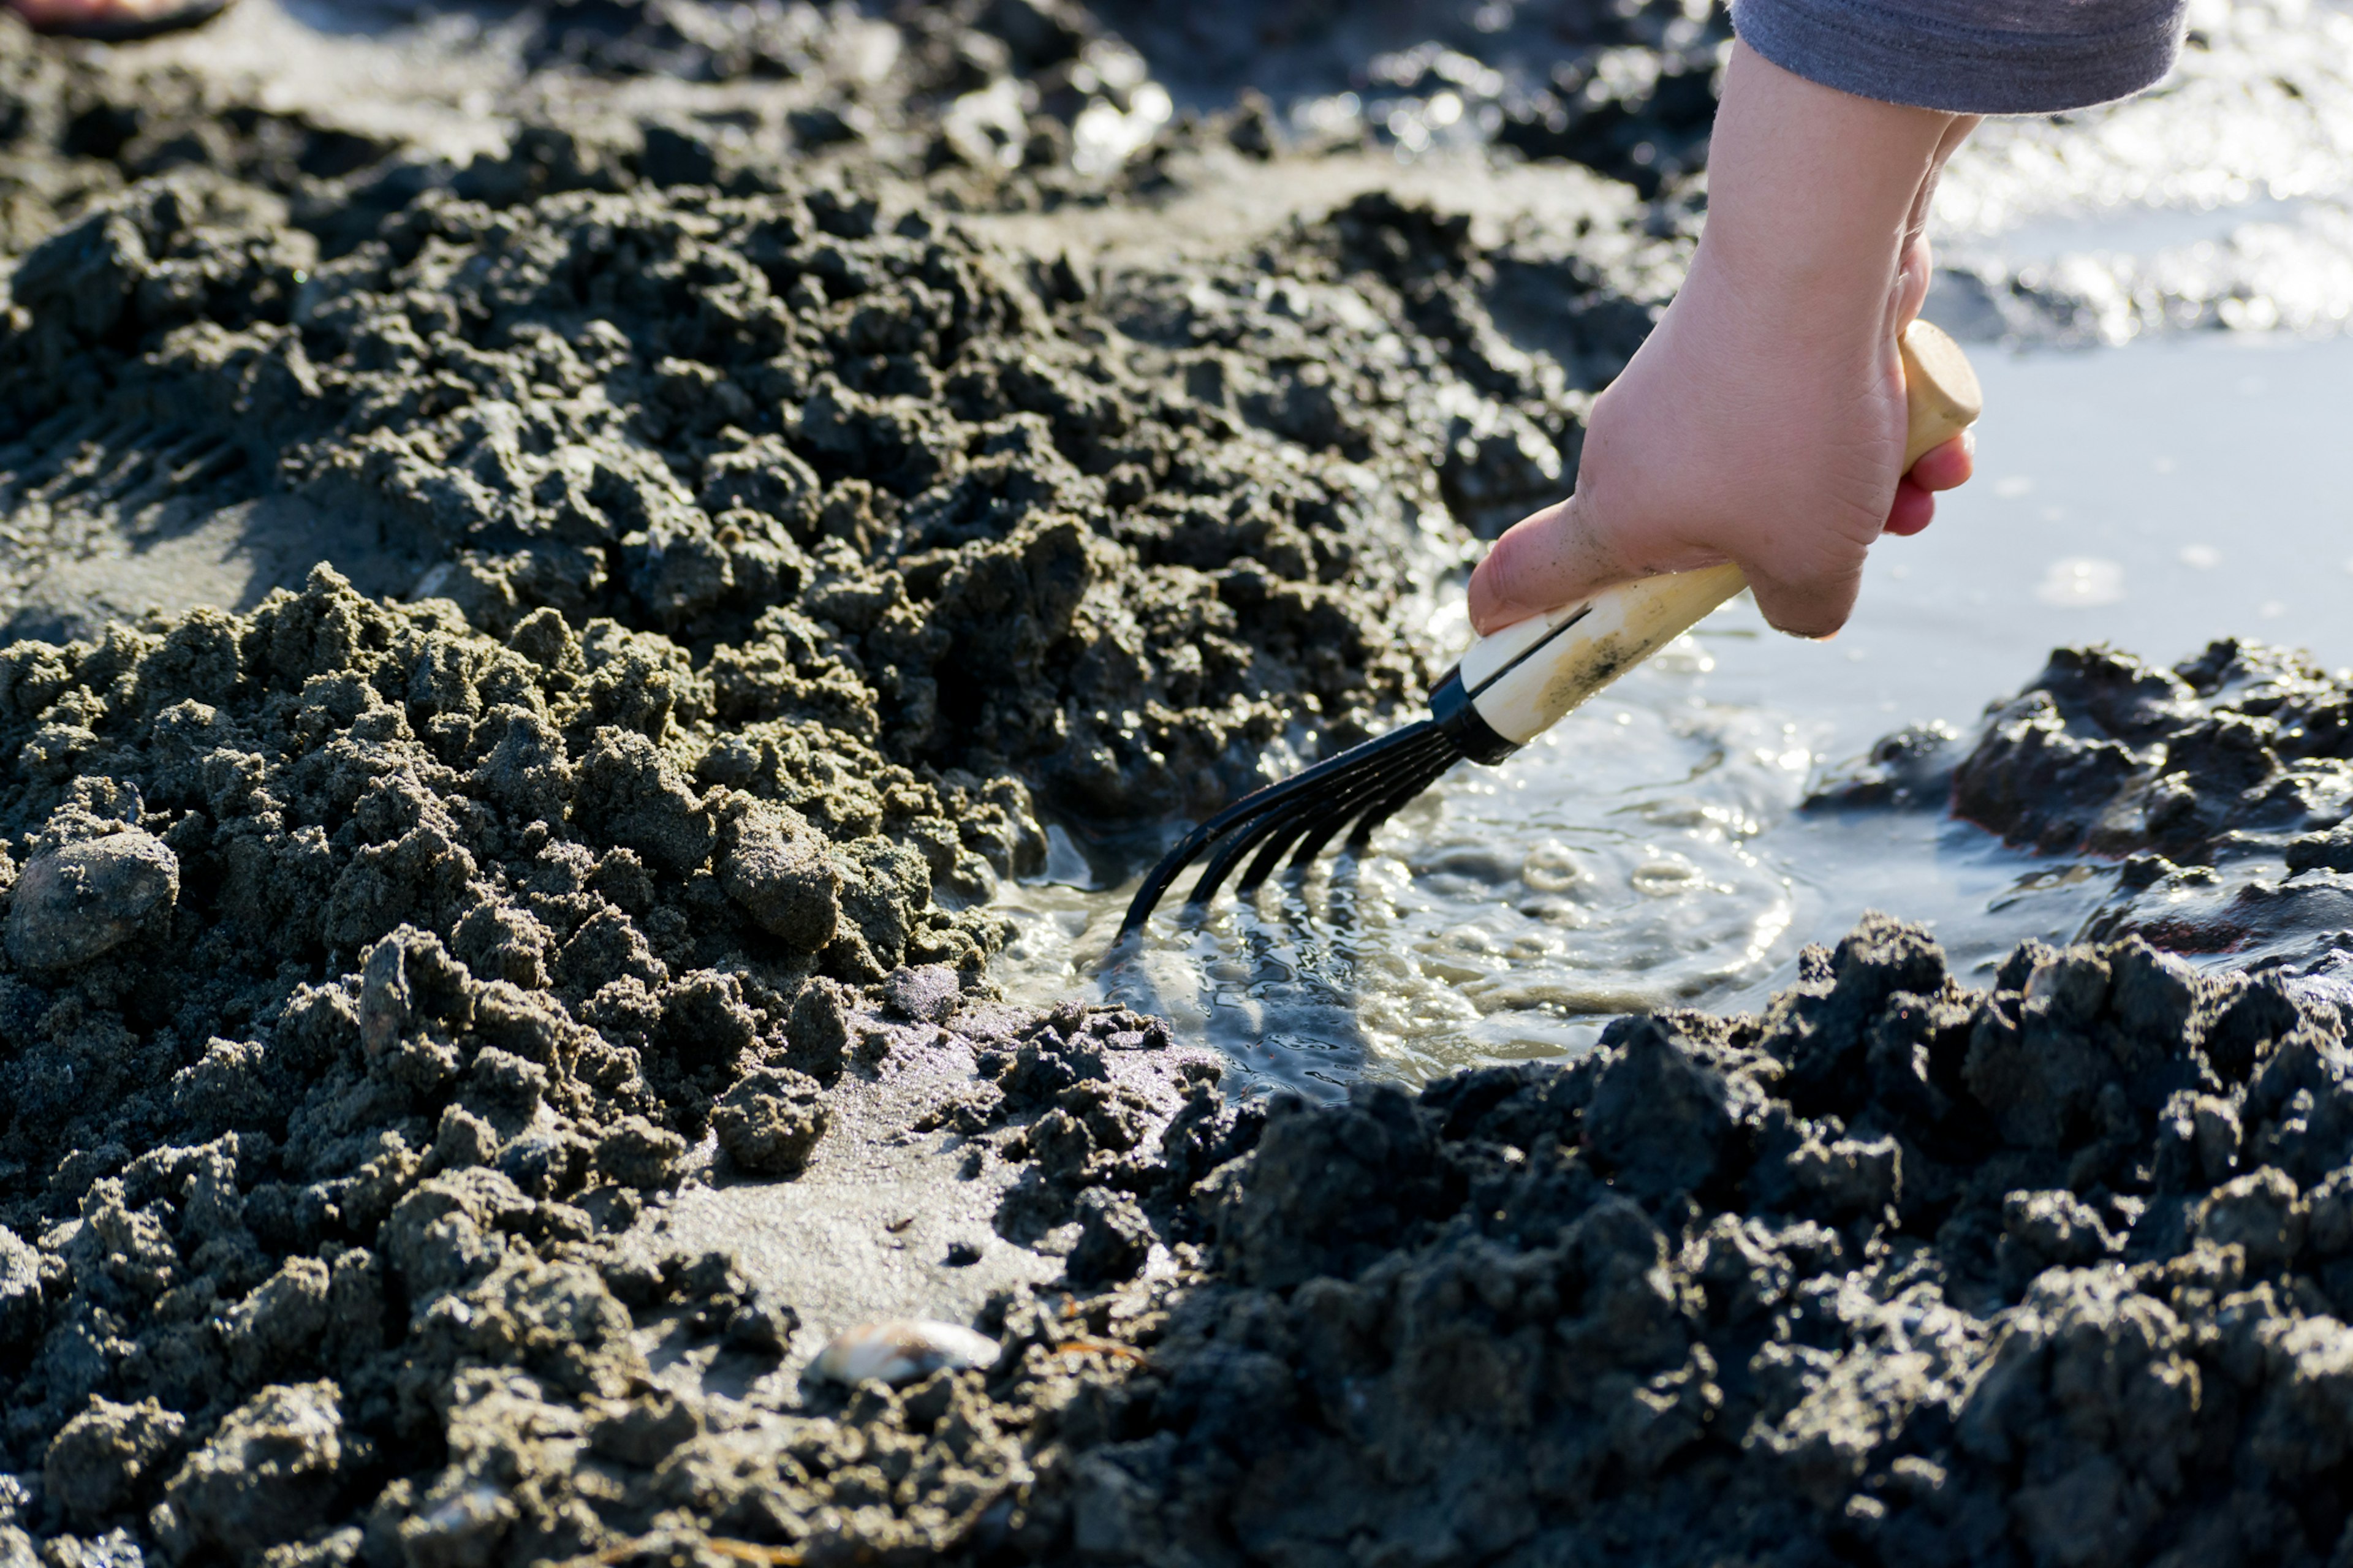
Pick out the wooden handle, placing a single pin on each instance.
(1521, 692)
(1940, 390)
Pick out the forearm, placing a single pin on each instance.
(1814, 197)
(1974, 57)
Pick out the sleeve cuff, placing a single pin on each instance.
(1895, 55)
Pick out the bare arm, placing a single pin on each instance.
(1763, 421)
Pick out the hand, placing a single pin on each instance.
(1763, 421)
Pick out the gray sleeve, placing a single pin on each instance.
(1969, 57)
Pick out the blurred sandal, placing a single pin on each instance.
(115, 21)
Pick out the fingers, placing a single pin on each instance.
(1949, 466)
(1541, 563)
(1944, 467)
(1912, 509)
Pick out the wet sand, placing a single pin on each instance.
(569, 568)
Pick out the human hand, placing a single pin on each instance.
(1763, 421)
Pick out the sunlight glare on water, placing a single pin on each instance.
(1605, 869)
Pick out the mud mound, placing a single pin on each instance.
(380, 978)
(978, 539)
(1628, 89)
(2223, 786)
(370, 967)
(1899, 1273)
(961, 507)
(365, 977)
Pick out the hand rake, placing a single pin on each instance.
(1507, 689)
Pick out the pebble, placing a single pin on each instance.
(80, 901)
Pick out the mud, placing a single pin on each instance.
(1897, 1272)
(2218, 789)
(404, 963)
(536, 633)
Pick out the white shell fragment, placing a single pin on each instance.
(899, 1351)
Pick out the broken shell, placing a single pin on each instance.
(899, 1350)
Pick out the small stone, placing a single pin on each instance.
(770, 1121)
(80, 901)
(1115, 1238)
(926, 994)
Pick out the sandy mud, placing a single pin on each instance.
(2220, 788)
(554, 562)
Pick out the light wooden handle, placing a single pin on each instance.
(1523, 678)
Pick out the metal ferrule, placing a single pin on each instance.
(1451, 708)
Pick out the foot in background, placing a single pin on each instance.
(114, 21)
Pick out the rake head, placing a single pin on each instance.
(1365, 786)
(1356, 791)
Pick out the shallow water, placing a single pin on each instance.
(1648, 850)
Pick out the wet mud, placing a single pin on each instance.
(1898, 1272)
(2217, 790)
(536, 637)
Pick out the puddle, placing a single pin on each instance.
(1648, 851)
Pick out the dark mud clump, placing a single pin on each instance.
(864, 474)
(2221, 787)
(328, 1013)
(731, 563)
(1903, 1273)
(727, 560)
(900, 504)
(1629, 90)
(367, 982)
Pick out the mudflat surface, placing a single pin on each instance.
(573, 572)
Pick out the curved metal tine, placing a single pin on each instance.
(1345, 799)
(1370, 778)
(1189, 848)
(1341, 895)
(1381, 811)
(1370, 814)
(1156, 884)
(1229, 851)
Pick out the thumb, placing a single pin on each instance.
(1553, 558)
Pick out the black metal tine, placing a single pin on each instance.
(1259, 802)
(1397, 800)
(1375, 809)
(1260, 868)
(1346, 799)
(1230, 849)
(1373, 778)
